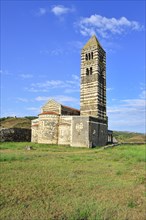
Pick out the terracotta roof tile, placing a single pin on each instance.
(49, 113)
(70, 108)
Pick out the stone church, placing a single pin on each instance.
(63, 125)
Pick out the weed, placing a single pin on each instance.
(132, 204)
(141, 180)
(118, 173)
(12, 157)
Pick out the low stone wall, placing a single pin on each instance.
(15, 135)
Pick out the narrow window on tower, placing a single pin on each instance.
(91, 55)
(87, 71)
(86, 56)
(90, 70)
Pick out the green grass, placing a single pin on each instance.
(59, 182)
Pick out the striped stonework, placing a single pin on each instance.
(93, 80)
(87, 127)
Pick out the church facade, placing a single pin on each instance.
(63, 125)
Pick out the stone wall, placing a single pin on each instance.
(34, 130)
(15, 135)
(87, 131)
(64, 134)
(80, 131)
(98, 132)
(48, 129)
(53, 106)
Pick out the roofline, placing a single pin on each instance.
(49, 113)
(71, 108)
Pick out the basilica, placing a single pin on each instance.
(87, 127)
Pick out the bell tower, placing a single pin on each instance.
(93, 80)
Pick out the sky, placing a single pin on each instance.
(41, 44)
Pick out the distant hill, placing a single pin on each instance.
(25, 122)
(125, 136)
(11, 122)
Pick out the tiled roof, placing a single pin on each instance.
(35, 125)
(70, 108)
(49, 113)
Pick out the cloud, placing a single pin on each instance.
(75, 45)
(134, 102)
(26, 76)
(143, 94)
(22, 99)
(60, 10)
(68, 85)
(49, 84)
(60, 98)
(103, 26)
(109, 89)
(32, 89)
(34, 110)
(65, 49)
(53, 52)
(127, 115)
(5, 73)
(75, 77)
(41, 12)
(10, 113)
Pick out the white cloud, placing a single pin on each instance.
(134, 102)
(41, 12)
(65, 49)
(67, 91)
(60, 98)
(22, 99)
(34, 110)
(68, 85)
(26, 76)
(53, 52)
(60, 10)
(75, 77)
(49, 84)
(104, 26)
(109, 89)
(127, 115)
(10, 113)
(143, 94)
(5, 73)
(32, 89)
(75, 45)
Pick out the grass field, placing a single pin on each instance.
(58, 182)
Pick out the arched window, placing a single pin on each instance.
(91, 55)
(101, 58)
(90, 70)
(86, 57)
(87, 71)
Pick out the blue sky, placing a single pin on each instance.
(41, 43)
